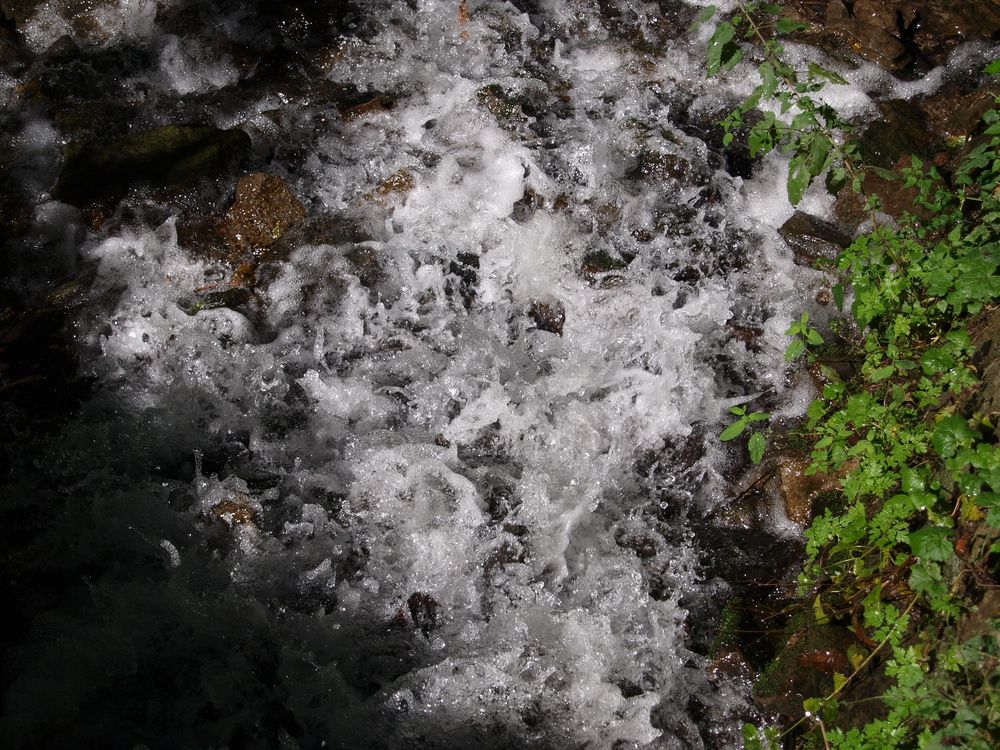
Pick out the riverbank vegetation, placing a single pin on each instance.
(904, 556)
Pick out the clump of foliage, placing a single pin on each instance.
(913, 545)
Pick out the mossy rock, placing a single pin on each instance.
(171, 158)
(804, 667)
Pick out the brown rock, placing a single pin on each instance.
(263, 209)
(799, 489)
(548, 316)
(812, 239)
(867, 27)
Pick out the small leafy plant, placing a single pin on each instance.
(757, 444)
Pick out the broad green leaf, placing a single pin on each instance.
(757, 446)
(881, 373)
(818, 612)
(993, 68)
(813, 337)
(912, 480)
(950, 434)
(734, 430)
(932, 543)
(925, 578)
(795, 350)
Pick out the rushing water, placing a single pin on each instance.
(431, 484)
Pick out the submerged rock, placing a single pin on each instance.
(170, 158)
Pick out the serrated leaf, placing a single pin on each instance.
(881, 373)
(932, 543)
(756, 447)
(799, 178)
(812, 335)
(722, 36)
(925, 578)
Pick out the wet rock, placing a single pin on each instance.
(262, 210)
(365, 265)
(780, 486)
(502, 104)
(869, 29)
(804, 668)
(955, 111)
(19, 11)
(91, 120)
(398, 183)
(548, 316)
(658, 166)
(488, 447)
(907, 38)
(813, 240)
(901, 130)
(500, 498)
(526, 206)
(236, 511)
(423, 610)
(799, 490)
(986, 338)
(464, 278)
(169, 158)
(598, 267)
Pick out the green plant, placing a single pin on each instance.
(920, 517)
(757, 444)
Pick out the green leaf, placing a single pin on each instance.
(950, 434)
(813, 337)
(734, 430)
(881, 373)
(925, 578)
(757, 446)
(932, 543)
(993, 68)
(787, 25)
(795, 350)
(838, 296)
(839, 680)
(818, 612)
(705, 15)
(818, 71)
(799, 178)
(717, 45)
(912, 481)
